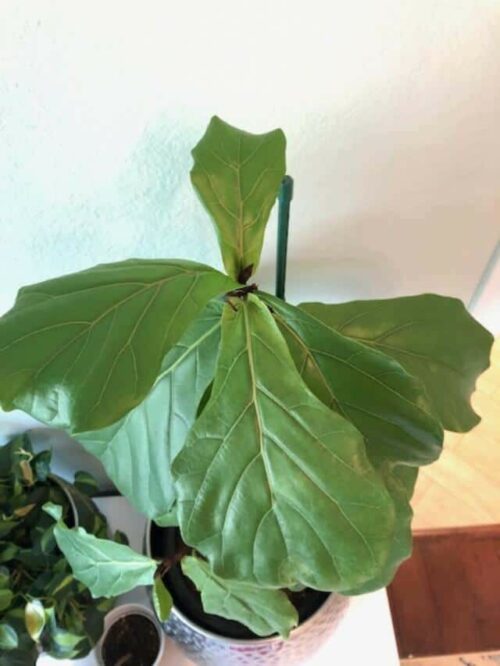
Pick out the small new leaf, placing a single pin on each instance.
(237, 176)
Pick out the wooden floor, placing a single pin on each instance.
(445, 598)
(462, 489)
(463, 486)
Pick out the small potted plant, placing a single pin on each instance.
(132, 637)
(42, 606)
(280, 443)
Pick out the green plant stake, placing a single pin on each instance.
(285, 441)
(284, 202)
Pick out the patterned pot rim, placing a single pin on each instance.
(255, 642)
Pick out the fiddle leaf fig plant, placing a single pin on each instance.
(283, 440)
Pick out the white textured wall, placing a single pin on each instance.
(391, 109)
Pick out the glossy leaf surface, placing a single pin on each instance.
(138, 450)
(237, 176)
(433, 337)
(265, 612)
(82, 350)
(370, 389)
(275, 488)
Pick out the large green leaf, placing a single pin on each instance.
(105, 567)
(273, 487)
(265, 612)
(82, 350)
(237, 176)
(370, 389)
(138, 450)
(433, 337)
(400, 481)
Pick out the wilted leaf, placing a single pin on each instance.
(433, 337)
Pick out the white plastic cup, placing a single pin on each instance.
(131, 609)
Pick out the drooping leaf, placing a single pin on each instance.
(433, 337)
(273, 487)
(370, 389)
(237, 176)
(162, 600)
(400, 481)
(105, 567)
(34, 616)
(263, 611)
(80, 351)
(138, 450)
(8, 637)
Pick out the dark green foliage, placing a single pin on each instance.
(42, 605)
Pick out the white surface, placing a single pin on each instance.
(364, 636)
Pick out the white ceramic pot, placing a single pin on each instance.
(207, 648)
(131, 609)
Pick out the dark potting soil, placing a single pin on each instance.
(166, 542)
(131, 641)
